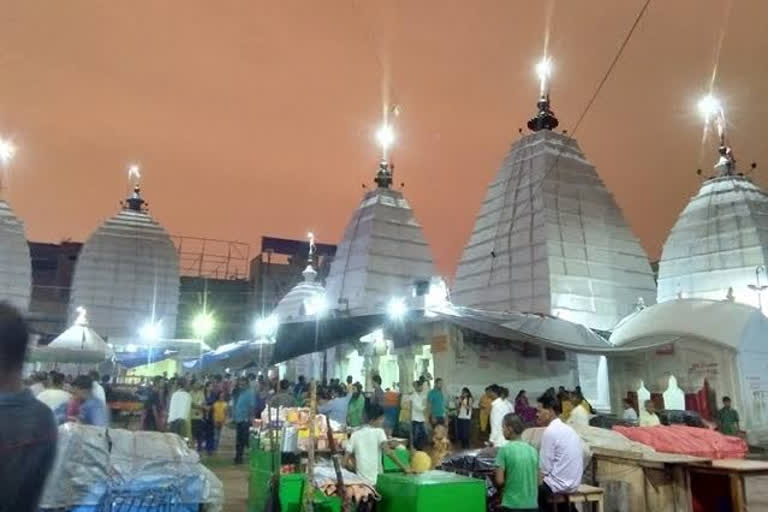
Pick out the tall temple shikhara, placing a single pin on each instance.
(128, 274)
(383, 252)
(550, 238)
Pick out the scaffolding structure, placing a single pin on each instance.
(212, 258)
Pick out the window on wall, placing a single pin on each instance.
(552, 354)
(531, 350)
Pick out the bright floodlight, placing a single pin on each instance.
(396, 308)
(150, 331)
(266, 327)
(7, 150)
(385, 136)
(203, 325)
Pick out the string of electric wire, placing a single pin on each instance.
(586, 110)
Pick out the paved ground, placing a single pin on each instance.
(234, 478)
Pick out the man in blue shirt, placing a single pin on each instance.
(242, 414)
(92, 410)
(27, 428)
(336, 407)
(436, 402)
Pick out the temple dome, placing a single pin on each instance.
(550, 238)
(127, 272)
(383, 252)
(15, 261)
(293, 306)
(719, 242)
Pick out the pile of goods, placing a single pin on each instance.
(292, 430)
(95, 467)
(356, 489)
(684, 440)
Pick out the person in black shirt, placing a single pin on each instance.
(28, 441)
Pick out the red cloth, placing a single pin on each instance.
(699, 442)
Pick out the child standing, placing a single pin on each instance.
(517, 469)
(220, 410)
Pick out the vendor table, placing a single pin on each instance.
(655, 481)
(429, 492)
(743, 484)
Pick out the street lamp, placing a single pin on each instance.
(202, 326)
(150, 332)
(266, 327)
(396, 309)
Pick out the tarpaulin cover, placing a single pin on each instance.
(472, 461)
(298, 338)
(92, 461)
(699, 442)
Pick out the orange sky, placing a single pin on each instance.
(254, 117)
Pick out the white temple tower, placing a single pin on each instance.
(550, 238)
(302, 303)
(383, 252)
(15, 261)
(127, 275)
(718, 247)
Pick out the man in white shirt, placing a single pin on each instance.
(649, 418)
(561, 456)
(418, 415)
(96, 390)
(579, 414)
(630, 414)
(179, 409)
(500, 407)
(366, 445)
(56, 398)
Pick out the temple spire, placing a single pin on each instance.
(544, 119)
(714, 114)
(310, 274)
(385, 137)
(135, 202)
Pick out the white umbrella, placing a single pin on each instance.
(78, 344)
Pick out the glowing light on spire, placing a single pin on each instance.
(712, 110)
(81, 316)
(7, 150)
(544, 71)
(312, 246)
(134, 172)
(385, 136)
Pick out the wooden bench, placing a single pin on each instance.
(584, 494)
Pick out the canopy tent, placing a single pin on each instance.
(78, 344)
(728, 324)
(297, 338)
(133, 359)
(236, 354)
(545, 330)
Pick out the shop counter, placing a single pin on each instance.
(429, 492)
